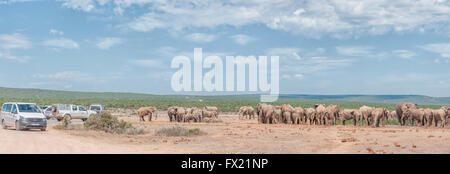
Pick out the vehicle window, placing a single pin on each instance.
(82, 108)
(14, 108)
(4, 107)
(74, 108)
(8, 107)
(95, 108)
(28, 108)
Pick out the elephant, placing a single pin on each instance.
(298, 115)
(413, 115)
(262, 110)
(277, 115)
(143, 111)
(180, 113)
(439, 115)
(271, 115)
(331, 114)
(392, 115)
(191, 116)
(208, 114)
(310, 115)
(379, 114)
(427, 117)
(286, 113)
(267, 113)
(401, 107)
(241, 111)
(171, 112)
(366, 114)
(197, 113)
(348, 114)
(246, 111)
(320, 113)
(250, 112)
(214, 110)
(358, 116)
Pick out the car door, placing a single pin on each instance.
(13, 115)
(83, 112)
(4, 112)
(75, 113)
(8, 114)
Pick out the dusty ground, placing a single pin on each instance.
(233, 136)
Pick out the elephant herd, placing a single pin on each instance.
(331, 114)
(423, 116)
(182, 114)
(320, 114)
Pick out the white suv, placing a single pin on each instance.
(22, 116)
(59, 111)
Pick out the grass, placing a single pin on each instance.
(178, 131)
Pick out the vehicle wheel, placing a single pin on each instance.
(44, 129)
(17, 126)
(4, 125)
(68, 117)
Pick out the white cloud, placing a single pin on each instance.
(147, 63)
(242, 39)
(201, 37)
(11, 42)
(61, 43)
(106, 43)
(67, 79)
(337, 18)
(355, 50)
(293, 63)
(14, 41)
(15, 1)
(316, 64)
(294, 76)
(405, 54)
(443, 49)
(56, 32)
(63, 76)
(285, 53)
(84, 5)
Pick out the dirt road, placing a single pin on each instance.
(233, 136)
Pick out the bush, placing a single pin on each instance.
(178, 131)
(66, 124)
(106, 122)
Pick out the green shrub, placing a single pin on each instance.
(106, 122)
(178, 131)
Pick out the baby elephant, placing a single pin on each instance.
(348, 114)
(144, 111)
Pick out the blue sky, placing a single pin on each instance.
(325, 46)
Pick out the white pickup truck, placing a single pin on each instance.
(59, 111)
